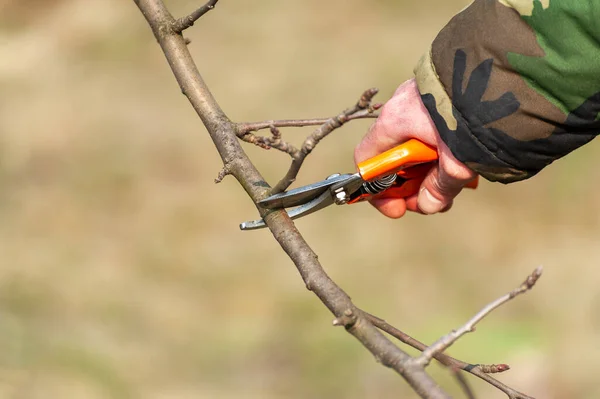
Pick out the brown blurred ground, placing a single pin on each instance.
(122, 270)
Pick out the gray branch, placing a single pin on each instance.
(446, 341)
(223, 134)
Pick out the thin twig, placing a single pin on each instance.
(224, 172)
(185, 22)
(510, 392)
(247, 127)
(275, 141)
(464, 384)
(363, 104)
(446, 341)
(446, 360)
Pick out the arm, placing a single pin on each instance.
(513, 85)
(508, 87)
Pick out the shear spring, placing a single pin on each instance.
(379, 185)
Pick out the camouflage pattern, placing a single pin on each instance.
(513, 85)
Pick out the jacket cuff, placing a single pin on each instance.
(455, 130)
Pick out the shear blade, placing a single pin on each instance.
(304, 194)
(322, 201)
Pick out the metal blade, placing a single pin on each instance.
(322, 201)
(304, 194)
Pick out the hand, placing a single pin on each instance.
(402, 118)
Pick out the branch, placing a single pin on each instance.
(479, 370)
(224, 172)
(362, 106)
(245, 130)
(362, 109)
(436, 350)
(248, 127)
(185, 22)
(445, 342)
(464, 384)
(223, 133)
(275, 141)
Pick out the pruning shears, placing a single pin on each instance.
(396, 173)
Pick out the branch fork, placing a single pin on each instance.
(245, 131)
(187, 22)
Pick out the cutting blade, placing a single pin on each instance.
(302, 195)
(322, 201)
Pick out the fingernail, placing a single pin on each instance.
(428, 203)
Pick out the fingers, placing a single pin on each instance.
(403, 117)
(393, 208)
(443, 183)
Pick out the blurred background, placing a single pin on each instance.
(122, 270)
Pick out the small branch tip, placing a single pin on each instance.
(494, 368)
(185, 22)
(535, 276)
(225, 171)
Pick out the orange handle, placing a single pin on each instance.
(411, 161)
(411, 153)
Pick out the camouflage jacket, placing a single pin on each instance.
(513, 85)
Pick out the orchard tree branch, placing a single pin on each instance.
(275, 141)
(186, 22)
(223, 133)
(464, 384)
(333, 123)
(446, 341)
(247, 127)
(436, 350)
(362, 109)
(245, 130)
(480, 370)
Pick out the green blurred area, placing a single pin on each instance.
(122, 270)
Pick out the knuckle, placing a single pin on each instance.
(445, 186)
(455, 172)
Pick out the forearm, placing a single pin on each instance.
(512, 87)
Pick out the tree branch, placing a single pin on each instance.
(448, 361)
(185, 22)
(275, 141)
(223, 134)
(464, 384)
(363, 105)
(362, 109)
(445, 342)
(436, 350)
(245, 130)
(247, 127)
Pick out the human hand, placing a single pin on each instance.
(402, 118)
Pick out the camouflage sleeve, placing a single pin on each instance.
(513, 85)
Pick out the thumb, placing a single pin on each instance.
(442, 184)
